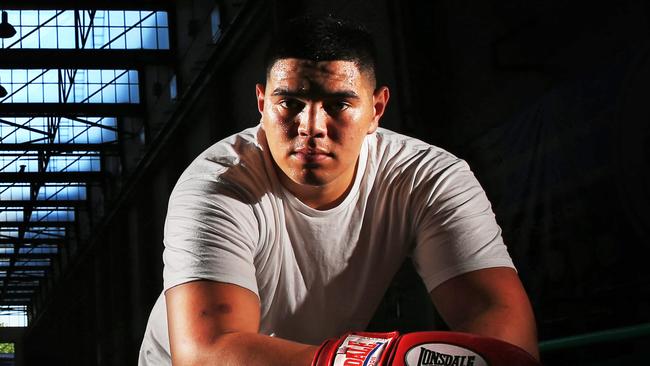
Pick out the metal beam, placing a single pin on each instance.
(27, 225)
(43, 203)
(51, 177)
(23, 287)
(17, 267)
(14, 302)
(106, 147)
(9, 296)
(31, 255)
(82, 58)
(71, 109)
(33, 241)
(17, 277)
(86, 4)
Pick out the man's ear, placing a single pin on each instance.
(380, 100)
(259, 92)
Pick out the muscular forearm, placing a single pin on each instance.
(235, 349)
(490, 302)
(501, 322)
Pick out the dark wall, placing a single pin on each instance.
(545, 99)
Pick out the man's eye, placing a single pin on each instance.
(292, 104)
(337, 107)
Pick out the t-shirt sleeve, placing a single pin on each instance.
(210, 234)
(456, 229)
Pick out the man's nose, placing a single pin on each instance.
(313, 121)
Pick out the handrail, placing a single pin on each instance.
(609, 335)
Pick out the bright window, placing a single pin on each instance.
(98, 29)
(70, 86)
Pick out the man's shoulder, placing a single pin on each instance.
(233, 149)
(236, 162)
(391, 148)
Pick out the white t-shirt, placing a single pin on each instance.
(321, 273)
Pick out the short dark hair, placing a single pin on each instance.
(323, 38)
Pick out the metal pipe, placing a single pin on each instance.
(610, 335)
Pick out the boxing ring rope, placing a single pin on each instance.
(617, 334)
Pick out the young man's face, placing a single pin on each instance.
(315, 116)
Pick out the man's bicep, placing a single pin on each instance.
(199, 312)
(455, 228)
(491, 302)
(463, 295)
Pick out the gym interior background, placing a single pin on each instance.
(104, 103)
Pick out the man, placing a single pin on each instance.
(289, 233)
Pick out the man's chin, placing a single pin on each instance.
(310, 174)
(310, 179)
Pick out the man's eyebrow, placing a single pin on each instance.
(284, 92)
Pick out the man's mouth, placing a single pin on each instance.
(310, 155)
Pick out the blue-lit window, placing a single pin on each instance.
(45, 233)
(52, 214)
(85, 161)
(57, 214)
(13, 316)
(6, 232)
(11, 214)
(75, 162)
(58, 130)
(10, 192)
(20, 291)
(40, 249)
(98, 29)
(173, 88)
(58, 30)
(65, 191)
(49, 191)
(215, 24)
(29, 273)
(55, 86)
(33, 283)
(23, 299)
(26, 262)
(34, 233)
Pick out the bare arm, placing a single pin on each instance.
(213, 323)
(490, 302)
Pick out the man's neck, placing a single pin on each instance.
(321, 197)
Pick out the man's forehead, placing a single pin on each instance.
(291, 70)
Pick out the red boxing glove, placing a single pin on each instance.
(420, 349)
(357, 349)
